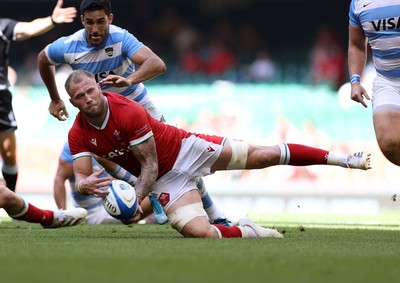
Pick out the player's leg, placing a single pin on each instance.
(386, 117)
(8, 125)
(215, 216)
(8, 153)
(19, 209)
(387, 130)
(240, 155)
(188, 218)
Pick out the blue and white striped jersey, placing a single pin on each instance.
(111, 57)
(380, 20)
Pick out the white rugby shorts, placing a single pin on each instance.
(385, 94)
(195, 159)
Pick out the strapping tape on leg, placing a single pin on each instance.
(180, 217)
(239, 155)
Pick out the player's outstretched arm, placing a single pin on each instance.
(47, 73)
(64, 171)
(25, 30)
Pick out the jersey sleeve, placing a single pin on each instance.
(55, 52)
(76, 143)
(130, 44)
(353, 18)
(66, 153)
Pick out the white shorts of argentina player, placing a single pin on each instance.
(95, 209)
(98, 215)
(385, 94)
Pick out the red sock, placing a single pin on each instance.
(228, 232)
(37, 215)
(301, 155)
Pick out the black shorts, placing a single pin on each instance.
(7, 119)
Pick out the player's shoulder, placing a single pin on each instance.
(120, 34)
(116, 30)
(68, 40)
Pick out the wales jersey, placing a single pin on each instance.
(128, 124)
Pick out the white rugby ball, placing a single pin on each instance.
(121, 201)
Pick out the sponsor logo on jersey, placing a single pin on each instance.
(102, 75)
(386, 24)
(94, 141)
(116, 153)
(210, 149)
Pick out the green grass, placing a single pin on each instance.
(318, 250)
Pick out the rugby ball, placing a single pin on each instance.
(121, 201)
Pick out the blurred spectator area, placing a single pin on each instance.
(204, 40)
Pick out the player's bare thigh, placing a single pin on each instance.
(199, 226)
(247, 156)
(387, 130)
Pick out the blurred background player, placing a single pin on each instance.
(377, 22)
(94, 206)
(18, 209)
(111, 54)
(13, 30)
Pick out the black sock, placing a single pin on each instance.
(11, 180)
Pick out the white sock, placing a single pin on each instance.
(247, 232)
(339, 159)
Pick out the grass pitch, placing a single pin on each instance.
(311, 252)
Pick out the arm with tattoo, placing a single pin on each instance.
(146, 154)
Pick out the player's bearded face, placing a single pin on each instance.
(88, 98)
(96, 25)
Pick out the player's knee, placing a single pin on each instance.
(199, 229)
(390, 148)
(182, 220)
(5, 193)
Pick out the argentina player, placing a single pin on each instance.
(377, 23)
(110, 53)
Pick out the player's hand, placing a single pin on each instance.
(358, 94)
(114, 80)
(94, 185)
(58, 110)
(63, 15)
(135, 218)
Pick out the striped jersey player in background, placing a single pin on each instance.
(377, 23)
(111, 54)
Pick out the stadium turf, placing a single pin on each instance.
(310, 252)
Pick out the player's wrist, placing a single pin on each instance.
(52, 21)
(80, 189)
(355, 79)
